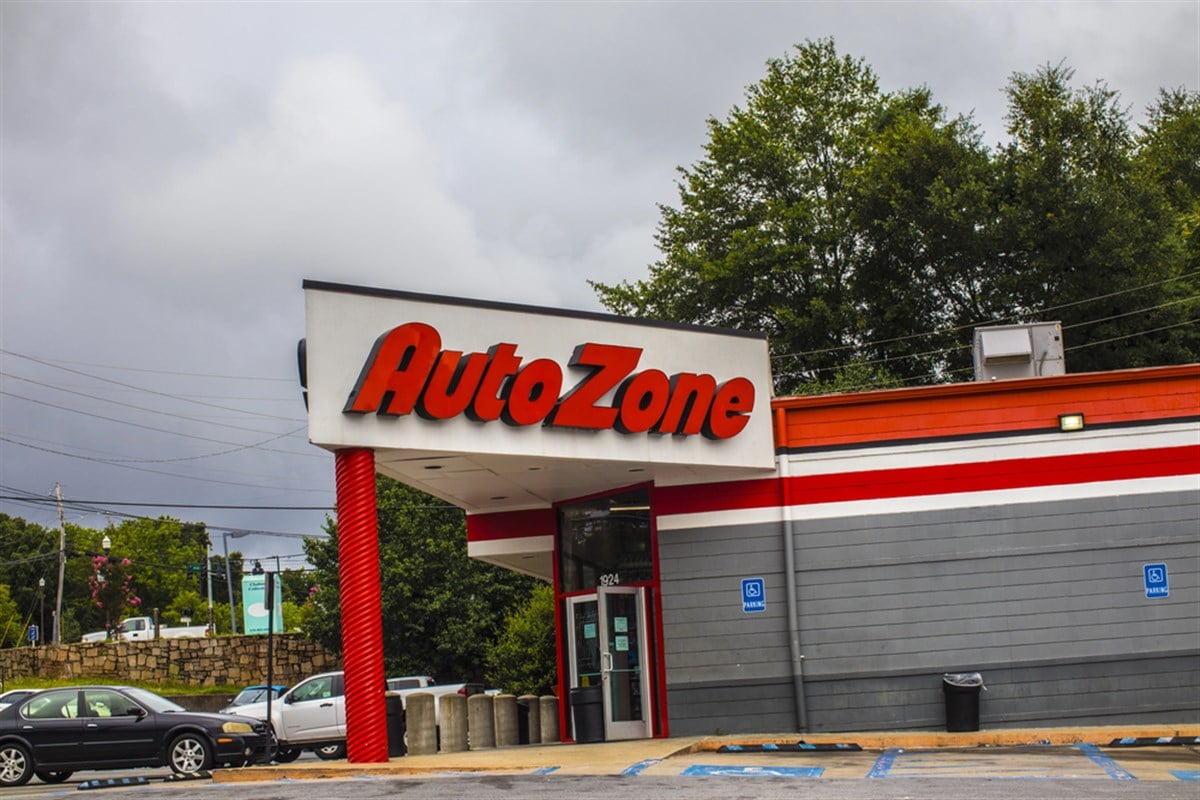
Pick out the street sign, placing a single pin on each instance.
(754, 595)
(33, 633)
(1156, 580)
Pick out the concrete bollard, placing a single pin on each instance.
(533, 717)
(421, 717)
(453, 722)
(549, 718)
(481, 725)
(507, 729)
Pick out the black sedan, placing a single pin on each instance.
(55, 732)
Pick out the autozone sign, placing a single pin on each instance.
(407, 371)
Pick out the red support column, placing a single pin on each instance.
(362, 610)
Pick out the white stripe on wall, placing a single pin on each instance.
(933, 502)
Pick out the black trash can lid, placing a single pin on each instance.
(964, 679)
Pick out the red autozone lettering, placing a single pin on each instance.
(408, 371)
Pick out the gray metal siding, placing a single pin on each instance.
(1046, 599)
(1100, 692)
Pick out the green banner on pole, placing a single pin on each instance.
(254, 606)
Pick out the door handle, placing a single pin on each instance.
(607, 663)
(92, 725)
(326, 705)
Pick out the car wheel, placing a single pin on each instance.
(287, 755)
(330, 752)
(52, 777)
(16, 767)
(189, 753)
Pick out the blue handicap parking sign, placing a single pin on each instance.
(1156, 580)
(754, 595)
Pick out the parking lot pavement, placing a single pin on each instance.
(1009, 753)
(1047, 762)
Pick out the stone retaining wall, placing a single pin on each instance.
(208, 661)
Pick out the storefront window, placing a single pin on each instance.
(605, 542)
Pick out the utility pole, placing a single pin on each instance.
(62, 563)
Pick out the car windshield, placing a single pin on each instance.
(152, 701)
(254, 694)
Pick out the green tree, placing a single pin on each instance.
(523, 659)
(855, 376)
(925, 207)
(763, 237)
(159, 551)
(1087, 239)
(441, 609)
(1166, 156)
(12, 621)
(854, 226)
(30, 555)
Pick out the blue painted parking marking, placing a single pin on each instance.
(1186, 774)
(1065, 763)
(639, 767)
(883, 764)
(545, 770)
(712, 771)
(1107, 764)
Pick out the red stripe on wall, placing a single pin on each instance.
(1017, 473)
(511, 524)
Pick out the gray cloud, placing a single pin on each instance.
(171, 172)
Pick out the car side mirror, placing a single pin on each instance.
(135, 711)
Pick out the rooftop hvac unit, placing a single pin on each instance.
(1031, 350)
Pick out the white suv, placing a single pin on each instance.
(310, 715)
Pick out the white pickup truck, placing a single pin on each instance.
(312, 714)
(137, 629)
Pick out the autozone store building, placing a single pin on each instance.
(729, 561)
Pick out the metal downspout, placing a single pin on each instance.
(789, 566)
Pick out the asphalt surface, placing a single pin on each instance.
(882, 754)
(1029, 764)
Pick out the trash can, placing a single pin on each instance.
(396, 727)
(587, 709)
(961, 690)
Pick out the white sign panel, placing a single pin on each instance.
(390, 370)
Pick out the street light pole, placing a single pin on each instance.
(229, 585)
(41, 610)
(106, 544)
(212, 630)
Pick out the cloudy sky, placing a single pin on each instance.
(171, 172)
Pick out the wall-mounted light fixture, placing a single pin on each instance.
(1070, 422)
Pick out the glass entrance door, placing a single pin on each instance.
(608, 641)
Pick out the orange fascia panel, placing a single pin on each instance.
(976, 409)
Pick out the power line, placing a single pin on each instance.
(50, 501)
(235, 446)
(958, 328)
(58, 361)
(112, 463)
(145, 389)
(144, 409)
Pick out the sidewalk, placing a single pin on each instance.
(615, 758)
